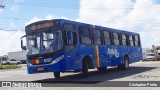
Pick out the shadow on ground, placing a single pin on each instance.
(94, 76)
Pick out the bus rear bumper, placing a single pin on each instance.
(43, 68)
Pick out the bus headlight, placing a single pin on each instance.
(57, 59)
(29, 64)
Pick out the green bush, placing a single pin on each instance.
(10, 66)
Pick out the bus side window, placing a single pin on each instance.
(139, 42)
(107, 37)
(84, 35)
(69, 36)
(64, 37)
(124, 40)
(97, 37)
(136, 40)
(131, 43)
(74, 38)
(116, 38)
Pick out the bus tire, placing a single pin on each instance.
(125, 65)
(57, 74)
(102, 68)
(85, 68)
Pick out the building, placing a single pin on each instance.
(145, 51)
(157, 50)
(18, 55)
(3, 58)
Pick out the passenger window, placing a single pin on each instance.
(69, 36)
(84, 34)
(107, 38)
(97, 37)
(116, 38)
(124, 40)
(136, 41)
(131, 40)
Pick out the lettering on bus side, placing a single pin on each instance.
(113, 52)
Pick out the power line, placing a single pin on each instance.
(14, 18)
(82, 6)
(25, 19)
(12, 29)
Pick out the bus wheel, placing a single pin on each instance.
(125, 65)
(85, 68)
(57, 74)
(102, 68)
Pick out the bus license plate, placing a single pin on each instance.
(40, 69)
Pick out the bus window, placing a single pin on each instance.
(97, 37)
(136, 40)
(69, 27)
(131, 40)
(124, 40)
(69, 36)
(84, 34)
(107, 38)
(116, 38)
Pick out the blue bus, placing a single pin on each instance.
(63, 46)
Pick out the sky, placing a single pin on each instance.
(142, 16)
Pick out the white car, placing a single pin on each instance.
(11, 61)
(151, 57)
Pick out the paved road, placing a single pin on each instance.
(141, 71)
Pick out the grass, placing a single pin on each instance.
(10, 66)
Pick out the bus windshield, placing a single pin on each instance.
(44, 42)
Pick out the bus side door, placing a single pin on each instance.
(70, 41)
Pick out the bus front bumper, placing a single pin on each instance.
(44, 68)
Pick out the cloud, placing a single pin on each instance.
(35, 19)
(10, 41)
(12, 25)
(141, 16)
(15, 8)
(18, 1)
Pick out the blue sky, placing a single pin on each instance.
(142, 16)
(27, 9)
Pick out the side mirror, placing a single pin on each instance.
(23, 47)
